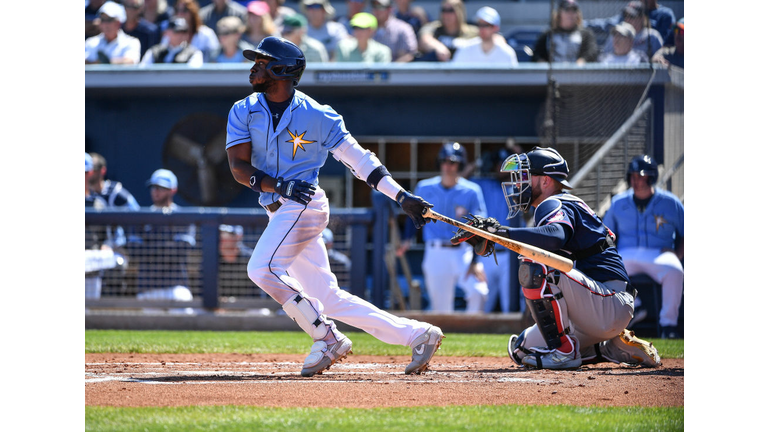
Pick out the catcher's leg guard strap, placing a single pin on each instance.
(301, 311)
(547, 312)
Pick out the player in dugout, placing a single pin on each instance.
(278, 138)
(580, 316)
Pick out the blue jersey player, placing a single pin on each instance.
(649, 226)
(278, 138)
(580, 315)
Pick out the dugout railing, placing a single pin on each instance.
(153, 246)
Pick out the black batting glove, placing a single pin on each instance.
(296, 190)
(414, 206)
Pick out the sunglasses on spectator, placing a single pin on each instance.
(447, 10)
(315, 6)
(379, 6)
(484, 25)
(359, 28)
(228, 32)
(131, 6)
(108, 19)
(570, 8)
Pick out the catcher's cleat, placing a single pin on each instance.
(554, 359)
(424, 347)
(635, 351)
(321, 357)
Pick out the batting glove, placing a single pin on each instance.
(296, 190)
(414, 206)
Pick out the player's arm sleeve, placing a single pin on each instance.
(550, 237)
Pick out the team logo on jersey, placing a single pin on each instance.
(558, 216)
(298, 142)
(660, 221)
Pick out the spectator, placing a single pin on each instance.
(112, 45)
(439, 39)
(98, 256)
(158, 13)
(567, 40)
(354, 7)
(258, 23)
(500, 268)
(176, 48)
(113, 192)
(213, 12)
(362, 47)
(202, 37)
(622, 40)
(672, 56)
(394, 33)
(416, 16)
(137, 26)
(92, 199)
(278, 11)
(319, 15)
(161, 252)
(444, 265)
(647, 40)
(295, 30)
(485, 48)
(92, 17)
(662, 19)
(230, 31)
(649, 228)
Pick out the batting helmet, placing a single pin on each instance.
(453, 152)
(645, 166)
(287, 61)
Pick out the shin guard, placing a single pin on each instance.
(547, 307)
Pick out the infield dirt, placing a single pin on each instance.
(269, 380)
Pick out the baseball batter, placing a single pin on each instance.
(277, 140)
(649, 226)
(580, 315)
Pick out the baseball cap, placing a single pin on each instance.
(294, 21)
(489, 15)
(88, 162)
(113, 10)
(178, 24)
(364, 20)
(163, 178)
(565, 4)
(634, 9)
(625, 29)
(324, 3)
(258, 7)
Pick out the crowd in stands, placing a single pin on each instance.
(373, 31)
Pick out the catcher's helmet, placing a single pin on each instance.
(453, 152)
(287, 60)
(645, 166)
(540, 161)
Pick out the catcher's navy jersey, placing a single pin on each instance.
(583, 230)
(297, 148)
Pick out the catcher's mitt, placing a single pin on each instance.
(482, 246)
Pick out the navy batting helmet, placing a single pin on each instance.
(453, 152)
(287, 61)
(645, 166)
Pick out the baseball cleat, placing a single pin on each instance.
(640, 352)
(424, 347)
(554, 359)
(321, 357)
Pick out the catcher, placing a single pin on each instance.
(581, 315)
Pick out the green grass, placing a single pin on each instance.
(153, 341)
(479, 418)
(242, 418)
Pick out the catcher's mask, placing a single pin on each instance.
(517, 192)
(287, 61)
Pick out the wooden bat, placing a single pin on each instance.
(537, 254)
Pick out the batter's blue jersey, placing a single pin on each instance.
(584, 229)
(299, 146)
(655, 228)
(461, 200)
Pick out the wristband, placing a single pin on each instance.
(255, 180)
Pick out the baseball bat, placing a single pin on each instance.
(537, 254)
